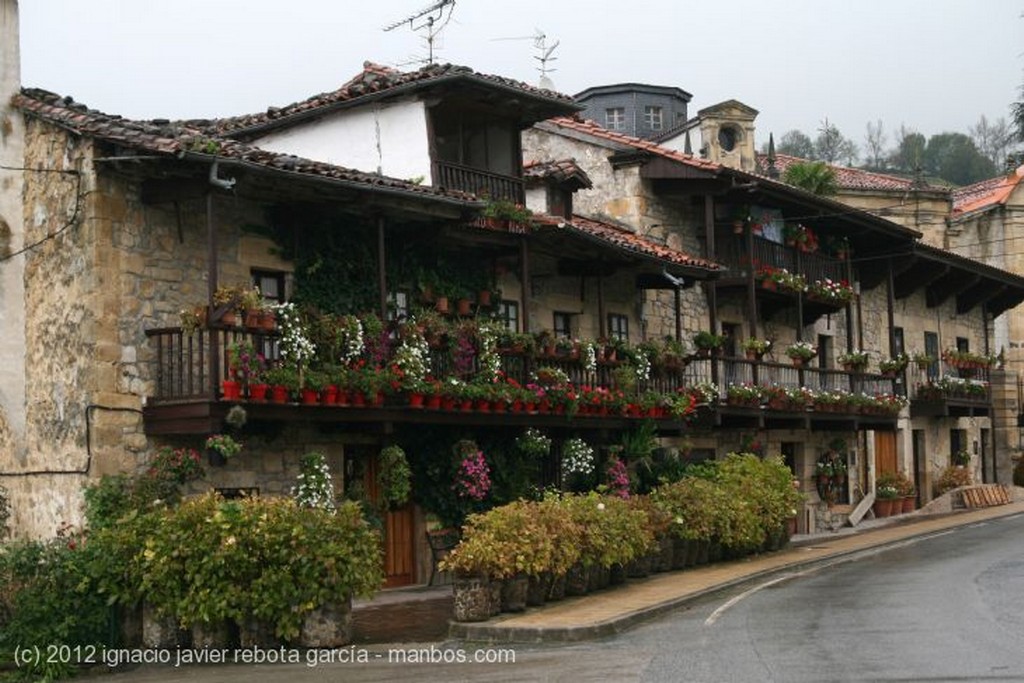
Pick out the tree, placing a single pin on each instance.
(874, 146)
(816, 177)
(795, 144)
(953, 157)
(992, 139)
(832, 146)
(909, 153)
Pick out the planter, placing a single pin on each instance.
(472, 596)
(616, 575)
(255, 633)
(231, 390)
(416, 400)
(680, 551)
(577, 580)
(557, 590)
(598, 578)
(433, 402)
(358, 399)
(252, 320)
(495, 594)
(279, 394)
(213, 636)
(513, 593)
(882, 507)
(310, 397)
(258, 392)
(464, 307)
(639, 567)
(329, 396)
(327, 626)
(483, 297)
(158, 632)
(268, 321)
(441, 305)
(537, 589)
(770, 285)
(909, 504)
(663, 559)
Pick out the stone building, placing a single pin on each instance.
(911, 298)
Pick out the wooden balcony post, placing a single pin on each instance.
(211, 287)
(524, 279)
(382, 278)
(890, 299)
(712, 286)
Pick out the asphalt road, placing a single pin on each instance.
(947, 608)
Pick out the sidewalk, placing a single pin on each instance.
(611, 611)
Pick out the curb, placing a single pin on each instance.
(494, 632)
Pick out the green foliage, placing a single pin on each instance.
(45, 598)
(5, 511)
(816, 177)
(952, 477)
(315, 488)
(264, 558)
(611, 530)
(394, 477)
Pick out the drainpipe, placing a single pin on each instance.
(211, 280)
(678, 283)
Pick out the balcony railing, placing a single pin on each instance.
(731, 250)
(482, 183)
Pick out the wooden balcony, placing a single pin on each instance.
(189, 369)
(452, 176)
(944, 391)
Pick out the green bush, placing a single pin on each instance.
(611, 531)
(210, 560)
(46, 599)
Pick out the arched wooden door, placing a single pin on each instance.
(399, 540)
(885, 453)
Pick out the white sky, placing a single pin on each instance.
(934, 65)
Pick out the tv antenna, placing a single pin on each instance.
(543, 54)
(425, 20)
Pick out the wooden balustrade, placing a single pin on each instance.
(482, 183)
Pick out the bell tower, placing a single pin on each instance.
(727, 134)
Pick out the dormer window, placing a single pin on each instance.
(615, 118)
(652, 117)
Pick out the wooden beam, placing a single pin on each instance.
(954, 282)
(920, 276)
(981, 293)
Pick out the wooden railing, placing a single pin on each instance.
(939, 382)
(731, 250)
(482, 183)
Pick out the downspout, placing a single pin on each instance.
(677, 283)
(212, 270)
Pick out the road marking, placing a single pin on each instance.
(732, 601)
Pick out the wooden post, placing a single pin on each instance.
(211, 289)
(712, 285)
(382, 278)
(524, 279)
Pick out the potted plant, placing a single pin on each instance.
(283, 381)
(756, 348)
(221, 447)
(893, 366)
(800, 352)
(708, 342)
(854, 361)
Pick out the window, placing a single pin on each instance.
(562, 324)
(731, 332)
(957, 443)
(652, 117)
(618, 327)
(963, 345)
(931, 347)
(398, 306)
(508, 314)
(615, 118)
(897, 335)
(271, 284)
(727, 138)
(824, 352)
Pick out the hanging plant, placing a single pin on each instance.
(394, 477)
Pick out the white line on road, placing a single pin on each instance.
(732, 601)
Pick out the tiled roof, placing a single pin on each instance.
(626, 240)
(181, 139)
(991, 192)
(376, 79)
(846, 178)
(594, 130)
(560, 171)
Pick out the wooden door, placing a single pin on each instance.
(399, 539)
(885, 453)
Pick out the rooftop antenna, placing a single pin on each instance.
(544, 52)
(425, 19)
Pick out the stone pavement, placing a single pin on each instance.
(610, 611)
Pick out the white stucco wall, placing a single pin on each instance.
(12, 236)
(388, 138)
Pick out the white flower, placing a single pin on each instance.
(600, 506)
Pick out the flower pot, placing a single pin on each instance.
(448, 403)
(557, 590)
(513, 593)
(639, 567)
(483, 297)
(472, 598)
(483, 406)
(310, 397)
(770, 285)
(329, 396)
(882, 507)
(358, 399)
(231, 390)
(279, 394)
(327, 626)
(268, 321)
(499, 406)
(215, 458)
(537, 589)
(665, 554)
(433, 402)
(210, 636)
(909, 504)
(464, 307)
(680, 551)
(258, 392)
(252, 320)
(441, 305)
(378, 399)
(466, 405)
(416, 400)
(577, 580)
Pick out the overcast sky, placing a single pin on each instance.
(933, 65)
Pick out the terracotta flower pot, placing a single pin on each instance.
(279, 394)
(231, 390)
(258, 392)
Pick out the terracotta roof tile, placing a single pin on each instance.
(597, 131)
(847, 178)
(991, 192)
(181, 138)
(560, 171)
(376, 79)
(622, 238)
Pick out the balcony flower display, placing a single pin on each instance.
(756, 348)
(748, 395)
(854, 361)
(830, 291)
(893, 366)
(781, 279)
(706, 341)
(800, 236)
(801, 351)
(577, 457)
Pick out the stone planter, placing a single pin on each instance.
(639, 567)
(666, 553)
(557, 590)
(577, 580)
(513, 593)
(680, 550)
(255, 633)
(495, 588)
(537, 589)
(158, 632)
(472, 598)
(213, 636)
(598, 577)
(327, 626)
